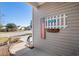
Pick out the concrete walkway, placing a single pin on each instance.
(24, 38)
(21, 50)
(16, 47)
(31, 52)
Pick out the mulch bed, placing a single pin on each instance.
(2, 44)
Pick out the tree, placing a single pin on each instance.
(1, 26)
(11, 27)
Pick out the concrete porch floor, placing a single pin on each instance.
(31, 52)
(21, 50)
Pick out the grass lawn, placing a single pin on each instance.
(11, 40)
(3, 39)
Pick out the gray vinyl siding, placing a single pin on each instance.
(66, 42)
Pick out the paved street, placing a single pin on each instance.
(10, 34)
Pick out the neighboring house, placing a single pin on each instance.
(21, 28)
(18, 27)
(28, 28)
(65, 42)
(3, 29)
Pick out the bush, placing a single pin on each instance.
(11, 27)
(3, 41)
(14, 40)
(1, 26)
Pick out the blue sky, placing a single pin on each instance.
(15, 12)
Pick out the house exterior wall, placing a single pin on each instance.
(66, 42)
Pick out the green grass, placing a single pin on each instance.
(3, 39)
(11, 40)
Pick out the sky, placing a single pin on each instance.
(18, 13)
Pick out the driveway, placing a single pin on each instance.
(11, 34)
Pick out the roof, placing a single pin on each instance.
(35, 4)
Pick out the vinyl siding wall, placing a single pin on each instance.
(66, 42)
